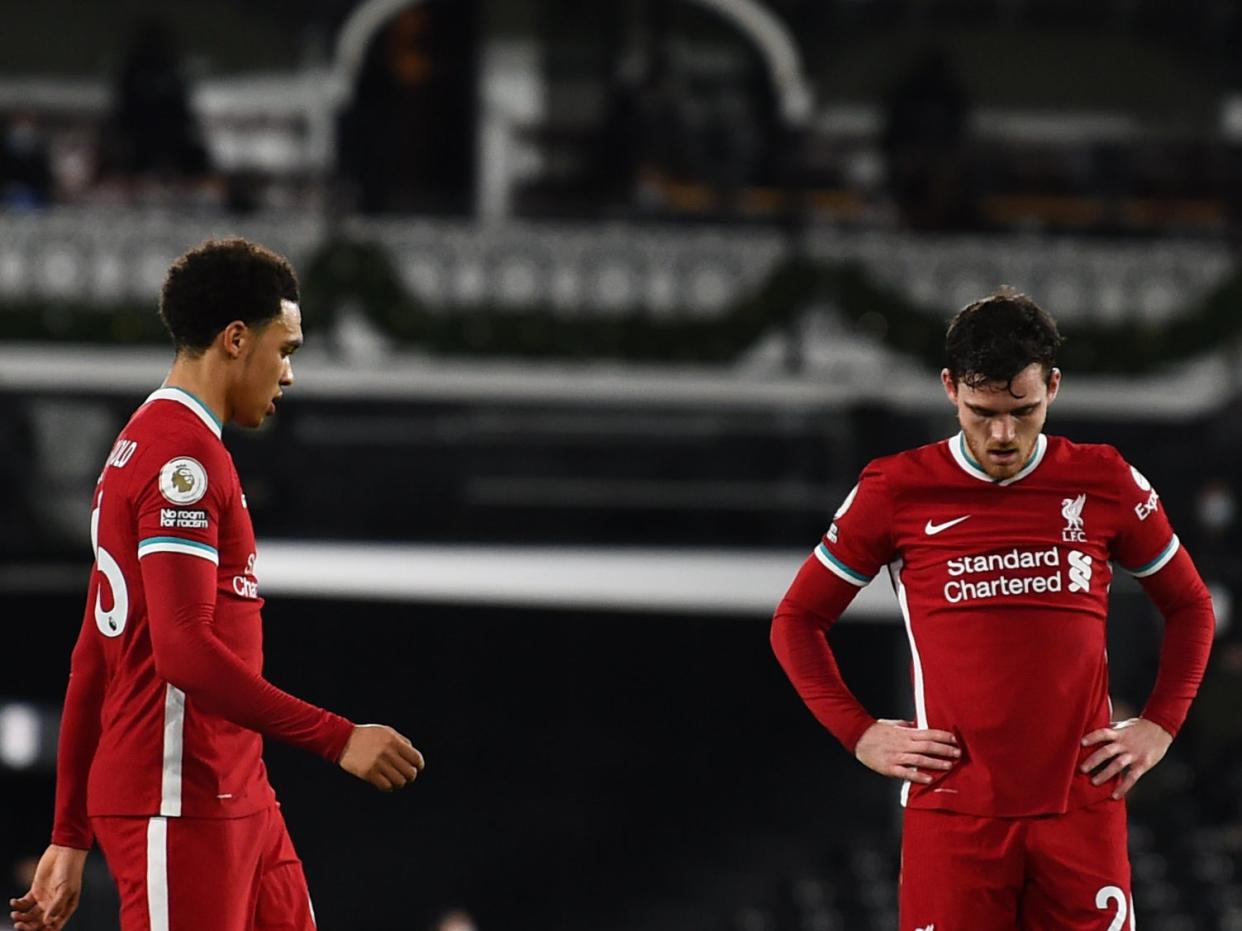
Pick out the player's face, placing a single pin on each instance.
(267, 367)
(1002, 423)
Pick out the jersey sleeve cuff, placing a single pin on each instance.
(1166, 723)
(339, 732)
(849, 738)
(834, 565)
(77, 838)
(178, 545)
(1162, 560)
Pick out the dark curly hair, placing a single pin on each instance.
(996, 337)
(220, 281)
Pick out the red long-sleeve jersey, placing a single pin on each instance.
(1003, 586)
(167, 704)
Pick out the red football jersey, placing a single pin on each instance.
(169, 487)
(1004, 590)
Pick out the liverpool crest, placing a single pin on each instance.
(1071, 510)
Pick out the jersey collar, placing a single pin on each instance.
(201, 410)
(962, 456)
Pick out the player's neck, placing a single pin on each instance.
(201, 376)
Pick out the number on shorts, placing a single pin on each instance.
(1112, 894)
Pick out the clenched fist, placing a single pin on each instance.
(379, 755)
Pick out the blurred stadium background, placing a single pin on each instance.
(607, 303)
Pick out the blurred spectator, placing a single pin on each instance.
(1216, 546)
(665, 145)
(701, 128)
(406, 142)
(25, 171)
(927, 120)
(456, 919)
(1217, 509)
(619, 148)
(153, 130)
(1216, 734)
(683, 119)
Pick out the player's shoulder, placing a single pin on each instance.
(911, 464)
(171, 416)
(173, 425)
(1087, 460)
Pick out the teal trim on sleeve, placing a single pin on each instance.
(194, 543)
(1159, 561)
(852, 573)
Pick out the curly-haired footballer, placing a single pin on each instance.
(999, 541)
(160, 756)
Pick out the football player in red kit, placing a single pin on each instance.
(160, 756)
(998, 542)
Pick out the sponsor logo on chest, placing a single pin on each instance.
(1024, 571)
(972, 578)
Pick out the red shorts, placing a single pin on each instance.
(1065, 872)
(206, 874)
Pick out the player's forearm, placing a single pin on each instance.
(808, 661)
(1189, 626)
(79, 738)
(799, 639)
(191, 657)
(218, 681)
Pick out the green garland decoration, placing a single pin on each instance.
(356, 274)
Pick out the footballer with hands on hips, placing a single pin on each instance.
(160, 754)
(998, 541)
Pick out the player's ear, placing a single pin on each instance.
(950, 386)
(1054, 384)
(233, 338)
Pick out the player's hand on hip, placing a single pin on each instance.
(379, 755)
(1129, 749)
(54, 893)
(901, 750)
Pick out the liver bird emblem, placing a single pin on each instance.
(1071, 510)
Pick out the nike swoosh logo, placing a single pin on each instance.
(932, 529)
